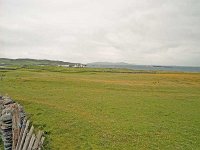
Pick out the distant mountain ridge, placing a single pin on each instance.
(143, 67)
(27, 61)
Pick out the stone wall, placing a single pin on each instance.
(15, 129)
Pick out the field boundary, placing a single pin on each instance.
(16, 130)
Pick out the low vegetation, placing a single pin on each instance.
(35, 62)
(82, 108)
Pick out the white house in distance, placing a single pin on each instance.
(67, 66)
(79, 66)
(73, 65)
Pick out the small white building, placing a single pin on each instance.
(79, 66)
(67, 66)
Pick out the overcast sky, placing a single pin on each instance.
(159, 32)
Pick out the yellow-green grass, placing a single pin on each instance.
(109, 110)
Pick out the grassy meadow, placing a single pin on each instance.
(108, 108)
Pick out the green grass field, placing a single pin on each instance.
(109, 109)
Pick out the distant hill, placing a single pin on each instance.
(108, 64)
(22, 62)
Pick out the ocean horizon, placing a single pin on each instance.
(151, 67)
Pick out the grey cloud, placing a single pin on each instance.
(161, 32)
